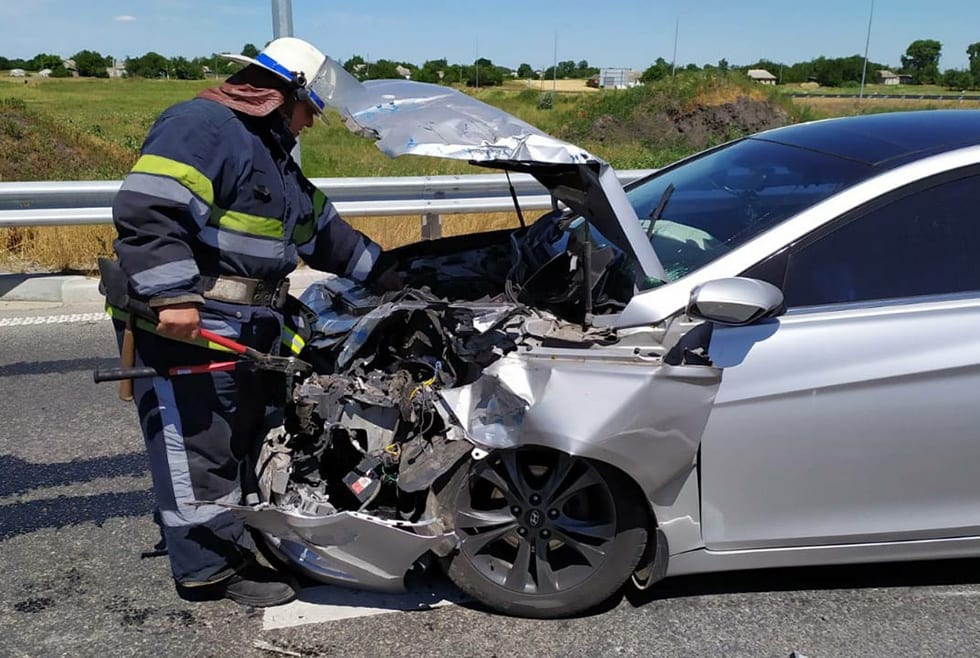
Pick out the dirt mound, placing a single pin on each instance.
(37, 148)
(661, 123)
(705, 125)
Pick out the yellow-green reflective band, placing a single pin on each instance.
(319, 202)
(183, 173)
(265, 227)
(306, 226)
(303, 232)
(292, 340)
(146, 325)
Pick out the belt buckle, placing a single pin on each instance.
(280, 295)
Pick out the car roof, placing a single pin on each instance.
(884, 140)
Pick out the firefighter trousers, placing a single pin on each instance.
(201, 433)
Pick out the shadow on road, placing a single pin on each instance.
(10, 281)
(854, 576)
(23, 518)
(20, 476)
(59, 366)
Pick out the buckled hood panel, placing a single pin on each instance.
(415, 118)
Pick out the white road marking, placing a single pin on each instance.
(961, 592)
(317, 605)
(53, 319)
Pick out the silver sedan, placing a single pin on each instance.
(764, 355)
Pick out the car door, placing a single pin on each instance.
(855, 417)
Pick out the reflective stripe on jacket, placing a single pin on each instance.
(217, 191)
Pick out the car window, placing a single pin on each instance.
(701, 209)
(924, 243)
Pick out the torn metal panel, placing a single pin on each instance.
(602, 409)
(348, 546)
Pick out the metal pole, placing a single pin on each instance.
(554, 68)
(282, 18)
(677, 27)
(282, 26)
(867, 44)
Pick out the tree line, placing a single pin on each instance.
(920, 63)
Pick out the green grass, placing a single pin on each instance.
(120, 112)
(88, 129)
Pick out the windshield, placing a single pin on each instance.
(702, 208)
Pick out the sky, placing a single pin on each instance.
(610, 33)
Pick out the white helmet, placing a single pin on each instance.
(298, 62)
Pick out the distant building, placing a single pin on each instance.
(118, 69)
(17, 73)
(403, 72)
(70, 66)
(890, 78)
(761, 76)
(44, 73)
(614, 78)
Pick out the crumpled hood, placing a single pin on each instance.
(416, 118)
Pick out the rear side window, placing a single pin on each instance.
(925, 243)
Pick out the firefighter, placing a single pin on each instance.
(210, 220)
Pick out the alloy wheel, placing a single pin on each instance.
(535, 521)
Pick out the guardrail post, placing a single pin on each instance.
(431, 226)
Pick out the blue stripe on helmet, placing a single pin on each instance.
(317, 101)
(273, 65)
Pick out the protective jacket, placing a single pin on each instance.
(215, 192)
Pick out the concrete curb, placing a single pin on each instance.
(77, 289)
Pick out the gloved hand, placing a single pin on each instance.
(384, 275)
(181, 321)
(389, 280)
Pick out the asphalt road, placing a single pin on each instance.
(75, 531)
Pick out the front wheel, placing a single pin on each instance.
(544, 534)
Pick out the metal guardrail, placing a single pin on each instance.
(62, 203)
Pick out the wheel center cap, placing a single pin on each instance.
(535, 518)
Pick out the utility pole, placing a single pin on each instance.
(867, 43)
(282, 18)
(554, 68)
(673, 63)
(282, 26)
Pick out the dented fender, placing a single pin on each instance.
(645, 418)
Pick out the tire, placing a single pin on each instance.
(542, 533)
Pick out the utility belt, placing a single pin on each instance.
(243, 290)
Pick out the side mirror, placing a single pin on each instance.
(735, 301)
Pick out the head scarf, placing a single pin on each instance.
(253, 91)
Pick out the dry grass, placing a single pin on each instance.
(722, 94)
(852, 106)
(76, 248)
(562, 86)
(392, 232)
(55, 248)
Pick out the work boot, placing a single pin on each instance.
(259, 587)
(254, 585)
